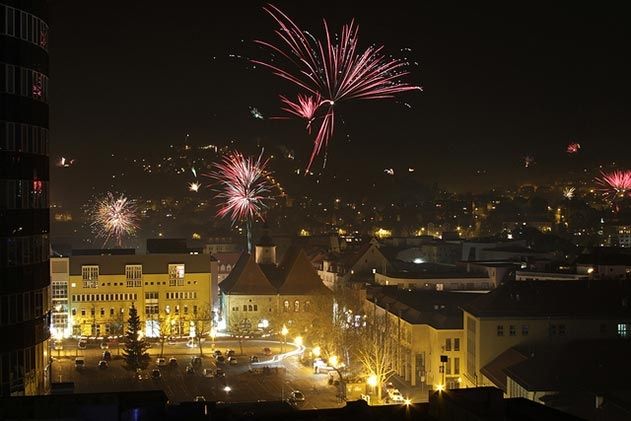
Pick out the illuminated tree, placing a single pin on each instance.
(135, 351)
(201, 321)
(375, 351)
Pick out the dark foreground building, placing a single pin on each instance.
(478, 404)
(24, 250)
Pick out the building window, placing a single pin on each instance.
(456, 365)
(250, 307)
(524, 330)
(561, 330)
(448, 344)
(623, 330)
(83, 312)
(500, 330)
(176, 274)
(74, 312)
(151, 295)
(512, 331)
(307, 305)
(102, 312)
(90, 276)
(448, 366)
(286, 305)
(256, 307)
(194, 309)
(185, 309)
(296, 306)
(456, 344)
(133, 273)
(552, 330)
(245, 307)
(151, 309)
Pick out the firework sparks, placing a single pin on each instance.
(334, 71)
(615, 184)
(244, 188)
(389, 171)
(573, 148)
(568, 192)
(256, 113)
(114, 217)
(194, 171)
(194, 186)
(65, 163)
(529, 161)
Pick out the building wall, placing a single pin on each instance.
(24, 209)
(439, 284)
(102, 311)
(417, 349)
(59, 279)
(484, 343)
(275, 309)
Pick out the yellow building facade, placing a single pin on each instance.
(423, 326)
(172, 292)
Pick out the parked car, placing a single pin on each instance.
(196, 360)
(107, 356)
(79, 363)
(208, 372)
(296, 397)
(200, 398)
(395, 396)
(230, 353)
(267, 351)
(161, 362)
(105, 345)
(193, 343)
(254, 359)
(171, 340)
(173, 361)
(58, 345)
(103, 364)
(220, 373)
(82, 344)
(221, 359)
(232, 360)
(189, 369)
(138, 374)
(155, 373)
(216, 353)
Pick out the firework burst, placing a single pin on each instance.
(194, 186)
(243, 187)
(114, 216)
(573, 148)
(331, 71)
(568, 192)
(615, 184)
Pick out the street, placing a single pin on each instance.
(244, 386)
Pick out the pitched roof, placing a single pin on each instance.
(494, 370)
(298, 274)
(575, 299)
(247, 278)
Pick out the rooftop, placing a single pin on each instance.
(151, 263)
(439, 309)
(576, 299)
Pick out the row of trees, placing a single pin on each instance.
(136, 345)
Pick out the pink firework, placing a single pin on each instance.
(305, 107)
(243, 186)
(615, 184)
(334, 71)
(573, 148)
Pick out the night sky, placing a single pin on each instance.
(130, 78)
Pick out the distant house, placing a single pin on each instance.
(359, 264)
(604, 264)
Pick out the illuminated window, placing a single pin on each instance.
(90, 276)
(623, 330)
(286, 305)
(176, 274)
(133, 273)
(296, 306)
(512, 331)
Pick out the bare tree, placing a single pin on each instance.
(375, 351)
(201, 319)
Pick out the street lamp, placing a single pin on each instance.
(298, 340)
(316, 351)
(372, 380)
(284, 332)
(227, 389)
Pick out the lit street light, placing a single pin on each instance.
(333, 361)
(316, 351)
(298, 340)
